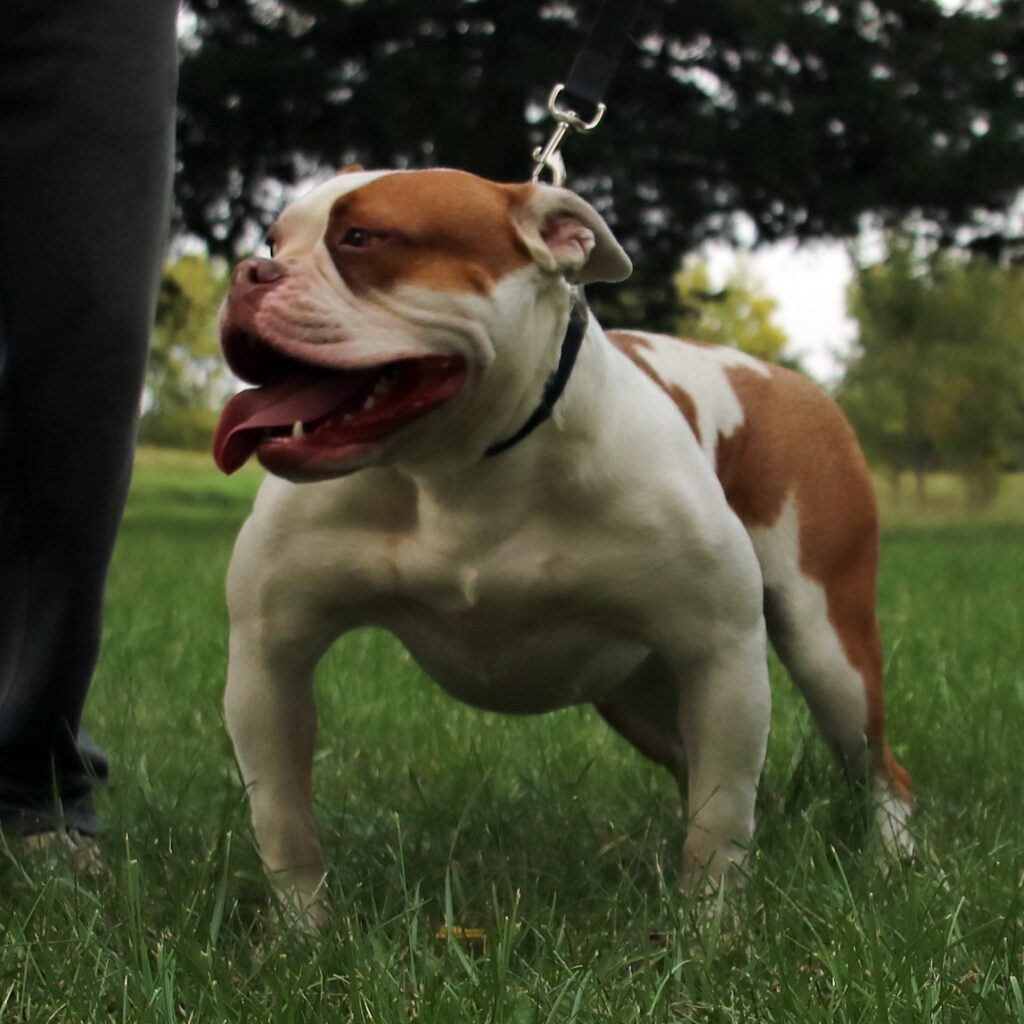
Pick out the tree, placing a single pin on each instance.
(977, 416)
(740, 314)
(186, 379)
(936, 378)
(801, 114)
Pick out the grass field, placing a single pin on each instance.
(548, 835)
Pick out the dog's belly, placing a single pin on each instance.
(517, 668)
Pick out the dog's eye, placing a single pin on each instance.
(362, 238)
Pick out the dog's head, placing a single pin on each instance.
(402, 316)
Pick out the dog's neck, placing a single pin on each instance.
(551, 456)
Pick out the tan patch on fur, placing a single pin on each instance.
(896, 773)
(795, 440)
(351, 169)
(444, 230)
(634, 346)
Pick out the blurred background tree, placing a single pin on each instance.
(186, 380)
(801, 114)
(738, 314)
(936, 376)
(778, 119)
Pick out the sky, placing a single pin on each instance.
(809, 284)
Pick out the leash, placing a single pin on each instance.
(588, 80)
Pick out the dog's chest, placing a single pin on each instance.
(516, 627)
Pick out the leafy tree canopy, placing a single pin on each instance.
(740, 314)
(186, 379)
(802, 114)
(936, 379)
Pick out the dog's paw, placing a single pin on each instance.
(302, 909)
(711, 869)
(892, 819)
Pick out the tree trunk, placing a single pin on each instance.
(921, 485)
(981, 483)
(895, 478)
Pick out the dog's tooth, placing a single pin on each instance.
(383, 387)
(298, 430)
(346, 417)
(370, 402)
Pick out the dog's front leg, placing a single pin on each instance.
(724, 714)
(271, 715)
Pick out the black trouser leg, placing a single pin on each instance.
(86, 129)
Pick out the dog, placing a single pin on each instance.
(683, 503)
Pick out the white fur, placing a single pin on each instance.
(814, 653)
(598, 561)
(700, 371)
(892, 818)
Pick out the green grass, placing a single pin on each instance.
(549, 833)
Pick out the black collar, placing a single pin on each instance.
(579, 317)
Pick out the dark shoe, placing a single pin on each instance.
(76, 815)
(82, 851)
(28, 810)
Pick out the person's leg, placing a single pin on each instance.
(86, 130)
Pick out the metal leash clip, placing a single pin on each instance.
(547, 157)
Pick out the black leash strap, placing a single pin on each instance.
(596, 62)
(591, 72)
(555, 385)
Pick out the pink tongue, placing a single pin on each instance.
(297, 399)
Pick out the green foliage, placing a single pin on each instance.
(190, 429)
(549, 833)
(186, 379)
(802, 115)
(936, 378)
(740, 315)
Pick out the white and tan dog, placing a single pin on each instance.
(631, 553)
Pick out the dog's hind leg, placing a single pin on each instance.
(826, 633)
(707, 722)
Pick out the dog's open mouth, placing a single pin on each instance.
(305, 420)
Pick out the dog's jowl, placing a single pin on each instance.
(684, 503)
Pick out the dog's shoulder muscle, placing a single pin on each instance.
(769, 433)
(697, 377)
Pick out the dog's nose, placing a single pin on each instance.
(256, 272)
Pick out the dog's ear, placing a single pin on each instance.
(566, 235)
